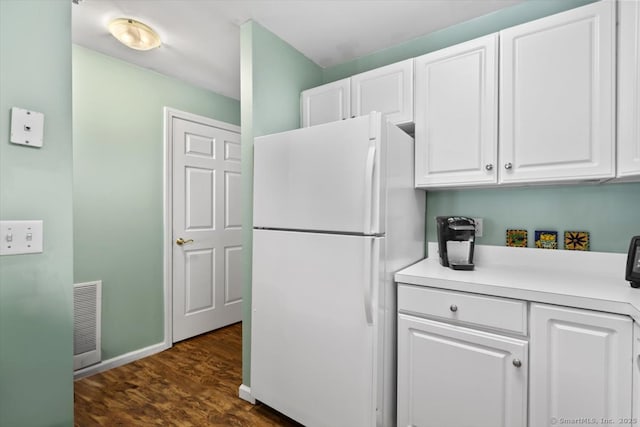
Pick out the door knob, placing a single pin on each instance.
(453, 308)
(180, 241)
(517, 363)
(508, 165)
(489, 167)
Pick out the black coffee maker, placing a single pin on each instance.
(456, 238)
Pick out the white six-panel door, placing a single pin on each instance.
(557, 97)
(207, 288)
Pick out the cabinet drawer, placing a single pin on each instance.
(491, 312)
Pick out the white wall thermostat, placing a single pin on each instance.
(27, 127)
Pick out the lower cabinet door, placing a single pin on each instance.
(581, 367)
(451, 376)
(636, 375)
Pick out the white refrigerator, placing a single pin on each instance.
(335, 215)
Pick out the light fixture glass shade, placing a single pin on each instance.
(134, 34)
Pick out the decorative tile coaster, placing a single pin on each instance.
(517, 238)
(546, 239)
(576, 240)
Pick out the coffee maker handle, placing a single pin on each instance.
(462, 227)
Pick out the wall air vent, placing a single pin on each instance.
(87, 302)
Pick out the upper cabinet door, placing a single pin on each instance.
(326, 103)
(557, 97)
(388, 90)
(456, 115)
(629, 89)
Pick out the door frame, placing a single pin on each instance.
(167, 205)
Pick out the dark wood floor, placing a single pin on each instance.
(195, 383)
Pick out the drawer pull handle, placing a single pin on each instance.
(453, 308)
(517, 363)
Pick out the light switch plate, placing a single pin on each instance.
(27, 127)
(20, 237)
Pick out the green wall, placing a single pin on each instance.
(118, 197)
(36, 347)
(608, 211)
(272, 76)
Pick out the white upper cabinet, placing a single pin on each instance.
(326, 103)
(456, 115)
(580, 366)
(388, 90)
(557, 97)
(629, 89)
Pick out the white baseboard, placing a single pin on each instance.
(245, 394)
(123, 359)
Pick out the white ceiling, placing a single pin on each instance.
(201, 38)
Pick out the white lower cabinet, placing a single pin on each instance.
(635, 411)
(452, 376)
(566, 366)
(450, 372)
(580, 366)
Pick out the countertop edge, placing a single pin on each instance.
(560, 297)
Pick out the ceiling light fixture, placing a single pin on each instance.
(134, 34)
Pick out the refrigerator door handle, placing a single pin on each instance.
(371, 277)
(368, 188)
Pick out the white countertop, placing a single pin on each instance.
(591, 280)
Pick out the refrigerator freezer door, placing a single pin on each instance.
(321, 178)
(313, 346)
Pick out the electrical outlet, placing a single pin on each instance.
(479, 226)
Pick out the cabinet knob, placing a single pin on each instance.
(489, 167)
(517, 363)
(453, 308)
(508, 165)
